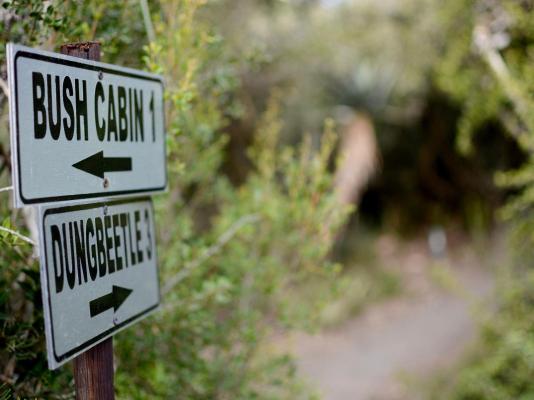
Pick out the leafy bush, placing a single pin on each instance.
(229, 257)
(488, 69)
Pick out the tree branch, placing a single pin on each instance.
(18, 235)
(492, 57)
(4, 87)
(210, 251)
(148, 21)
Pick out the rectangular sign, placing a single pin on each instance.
(98, 272)
(83, 129)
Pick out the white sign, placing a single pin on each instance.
(83, 129)
(98, 272)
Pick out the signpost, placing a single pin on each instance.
(99, 272)
(83, 129)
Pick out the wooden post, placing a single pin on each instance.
(93, 370)
(93, 373)
(87, 50)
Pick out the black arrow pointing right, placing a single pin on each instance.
(111, 300)
(97, 164)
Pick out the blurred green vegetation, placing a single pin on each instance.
(401, 63)
(230, 257)
(488, 68)
(247, 230)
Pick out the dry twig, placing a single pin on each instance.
(5, 88)
(148, 21)
(210, 251)
(18, 235)
(483, 41)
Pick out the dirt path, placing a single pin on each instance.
(414, 335)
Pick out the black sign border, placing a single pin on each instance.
(97, 68)
(87, 344)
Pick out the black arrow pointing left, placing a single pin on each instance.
(97, 164)
(111, 300)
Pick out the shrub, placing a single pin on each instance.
(229, 257)
(487, 68)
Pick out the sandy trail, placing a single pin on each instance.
(425, 329)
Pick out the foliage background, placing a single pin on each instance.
(247, 229)
(488, 68)
(231, 257)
